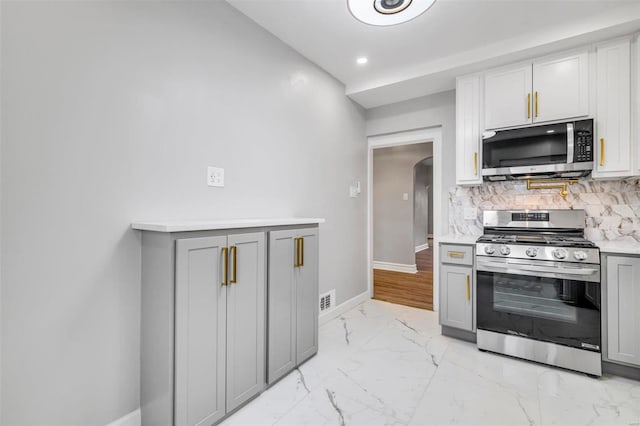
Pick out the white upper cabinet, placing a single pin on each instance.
(561, 88)
(507, 97)
(545, 90)
(468, 143)
(636, 73)
(613, 110)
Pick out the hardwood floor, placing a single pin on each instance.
(407, 289)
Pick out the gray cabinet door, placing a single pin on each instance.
(623, 309)
(306, 278)
(200, 331)
(245, 318)
(281, 305)
(456, 298)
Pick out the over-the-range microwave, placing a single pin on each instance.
(560, 150)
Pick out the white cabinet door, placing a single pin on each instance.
(508, 97)
(613, 109)
(456, 299)
(636, 73)
(468, 142)
(623, 315)
(561, 88)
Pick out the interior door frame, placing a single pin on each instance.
(410, 137)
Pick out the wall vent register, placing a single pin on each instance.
(327, 301)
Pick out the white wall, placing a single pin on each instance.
(428, 111)
(422, 201)
(111, 111)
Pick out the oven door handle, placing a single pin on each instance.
(533, 268)
(565, 271)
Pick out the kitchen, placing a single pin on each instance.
(113, 111)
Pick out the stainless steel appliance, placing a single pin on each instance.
(538, 288)
(562, 150)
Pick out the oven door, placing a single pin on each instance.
(541, 300)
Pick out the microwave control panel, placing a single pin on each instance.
(583, 142)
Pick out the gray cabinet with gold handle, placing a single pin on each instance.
(202, 325)
(293, 300)
(457, 287)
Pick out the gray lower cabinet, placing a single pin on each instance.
(457, 283)
(622, 292)
(203, 325)
(292, 300)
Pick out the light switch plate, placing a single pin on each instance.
(215, 176)
(353, 192)
(405, 196)
(470, 213)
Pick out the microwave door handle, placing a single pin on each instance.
(570, 143)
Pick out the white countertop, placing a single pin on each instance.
(209, 225)
(621, 247)
(457, 239)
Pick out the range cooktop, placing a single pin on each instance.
(537, 239)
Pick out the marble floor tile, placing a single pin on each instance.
(385, 364)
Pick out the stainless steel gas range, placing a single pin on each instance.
(538, 288)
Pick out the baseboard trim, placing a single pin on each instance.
(422, 247)
(396, 267)
(343, 307)
(134, 418)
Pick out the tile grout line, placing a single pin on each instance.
(429, 383)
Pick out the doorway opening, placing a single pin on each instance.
(402, 255)
(432, 137)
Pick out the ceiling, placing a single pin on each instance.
(454, 37)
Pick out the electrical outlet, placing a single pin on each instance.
(470, 213)
(215, 176)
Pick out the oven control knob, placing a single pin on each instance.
(532, 252)
(580, 255)
(489, 249)
(504, 250)
(560, 253)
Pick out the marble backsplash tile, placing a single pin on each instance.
(612, 207)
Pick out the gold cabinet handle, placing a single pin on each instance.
(301, 251)
(536, 104)
(296, 262)
(475, 164)
(225, 261)
(529, 105)
(602, 151)
(234, 261)
(456, 254)
(468, 287)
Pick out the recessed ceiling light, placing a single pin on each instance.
(362, 60)
(387, 12)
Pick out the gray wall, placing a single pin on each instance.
(423, 201)
(112, 111)
(428, 111)
(393, 175)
